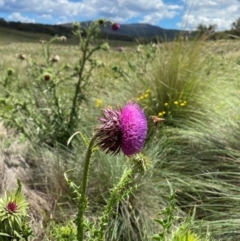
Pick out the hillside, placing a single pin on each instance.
(127, 32)
(136, 30)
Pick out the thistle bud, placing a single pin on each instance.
(47, 76)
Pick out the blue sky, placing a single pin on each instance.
(174, 14)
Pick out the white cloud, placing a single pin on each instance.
(19, 18)
(45, 16)
(57, 7)
(155, 17)
(149, 11)
(220, 12)
(121, 10)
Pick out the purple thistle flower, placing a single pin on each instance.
(133, 128)
(122, 129)
(120, 49)
(115, 26)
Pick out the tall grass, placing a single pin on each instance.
(197, 149)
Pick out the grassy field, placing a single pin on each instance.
(193, 85)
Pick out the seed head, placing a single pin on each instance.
(55, 59)
(21, 56)
(63, 39)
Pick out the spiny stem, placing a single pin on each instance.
(82, 203)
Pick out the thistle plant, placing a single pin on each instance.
(120, 130)
(14, 224)
(166, 218)
(42, 105)
(175, 228)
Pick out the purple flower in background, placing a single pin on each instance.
(120, 49)
(115, 26)
(122, 129)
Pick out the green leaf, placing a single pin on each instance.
(5, 234)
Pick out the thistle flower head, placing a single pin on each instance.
(120, 49)
(11, 207)
(115, 26)
(13, 203)
(13, 214)
(133, 128)
(122, 129)
(108, 133)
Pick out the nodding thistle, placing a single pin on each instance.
(122, 129)
(115, 26)
(120, 49)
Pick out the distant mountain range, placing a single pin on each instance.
(135, 30)
(128, 32)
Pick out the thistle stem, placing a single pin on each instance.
(82, 202)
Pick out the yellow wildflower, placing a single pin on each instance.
(146, 95)
(175, 102)
(98, 103)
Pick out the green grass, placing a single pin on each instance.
(9, 36)
(196, 149)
